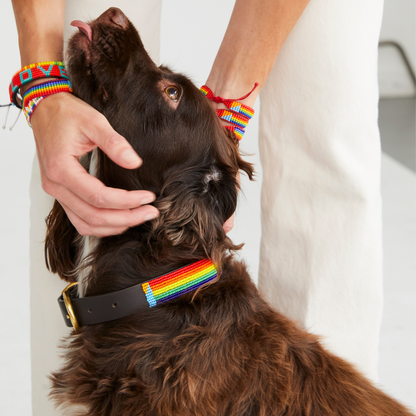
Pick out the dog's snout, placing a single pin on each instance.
(116, 16)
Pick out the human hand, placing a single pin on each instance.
(66, 128)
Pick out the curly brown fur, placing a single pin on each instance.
(222, 351)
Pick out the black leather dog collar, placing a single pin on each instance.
(103, 308)
(115, 305)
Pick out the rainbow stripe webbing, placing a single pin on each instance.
(239, 115)
(174, 284)
(50, 69)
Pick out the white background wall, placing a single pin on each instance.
(399, 25)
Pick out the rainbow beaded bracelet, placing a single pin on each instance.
(50, 69)
(37, 93)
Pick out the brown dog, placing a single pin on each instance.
(220, 351)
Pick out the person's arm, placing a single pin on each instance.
(254, 37)
(256, 32)
(40, 26)
(65, 128)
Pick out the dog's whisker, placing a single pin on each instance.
(103, 52)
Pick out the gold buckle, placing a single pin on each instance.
(68, 305)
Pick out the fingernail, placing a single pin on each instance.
(150, 216)
(129, 156)
(147, 200)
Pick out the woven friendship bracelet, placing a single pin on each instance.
(34, 95)
(231, 104)
(50, 69)
(239, 133)
(239, 115)
(234, 118)
(183, 280)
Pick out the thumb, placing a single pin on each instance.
(115, 146)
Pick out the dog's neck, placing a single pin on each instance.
(187, 230)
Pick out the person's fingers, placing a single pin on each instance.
(85, 229)
(115, 146)
(125, 219)
(93, 191)
(97, 217)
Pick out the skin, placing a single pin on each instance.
(255, 35)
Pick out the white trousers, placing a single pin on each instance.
(321, 215)
(321, 247)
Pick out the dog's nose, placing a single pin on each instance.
(115, 15)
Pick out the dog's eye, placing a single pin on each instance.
(172, 92)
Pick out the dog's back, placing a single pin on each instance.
(226, 353)
(222, 350)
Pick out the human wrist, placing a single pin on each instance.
(44, 50)
(35, 95)
(53, 103)
(236, 115)
(232, 88)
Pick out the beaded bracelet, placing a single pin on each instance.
(239, 115)
(234, 118)
(30, 108)
(37, 93)
(50, 69)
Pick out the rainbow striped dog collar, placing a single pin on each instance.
(92, 310)
(184, 280)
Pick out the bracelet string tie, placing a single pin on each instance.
(239, 114)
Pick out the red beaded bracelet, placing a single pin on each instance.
(50, 69)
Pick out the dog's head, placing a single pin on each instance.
(190, 161)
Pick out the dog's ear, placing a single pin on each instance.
(232, 153)
(196, 201)
(60, 252)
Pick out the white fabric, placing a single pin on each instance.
(47, 328)
(320, 150)
(321, 255)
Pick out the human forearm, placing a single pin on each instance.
(255, 35)
(40, 26)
